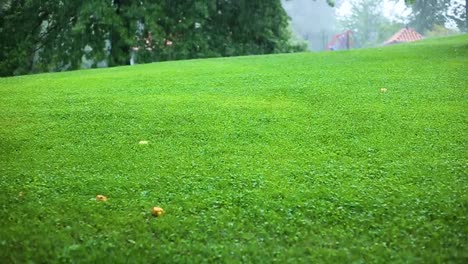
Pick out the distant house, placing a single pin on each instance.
(404, 35)
(341, 41)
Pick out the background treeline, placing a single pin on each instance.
(55, 35)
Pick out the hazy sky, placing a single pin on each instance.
(309, 15)
(392, 8)
(313, 21)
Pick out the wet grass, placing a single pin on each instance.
(287, 158)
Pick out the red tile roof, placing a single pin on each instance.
(404, 35)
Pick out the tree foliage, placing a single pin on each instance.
(429, 13)
(51, 35)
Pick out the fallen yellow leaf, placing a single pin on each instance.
(157, 211)
(101, 198)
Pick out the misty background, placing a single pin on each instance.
(372, 22)
(312, 21)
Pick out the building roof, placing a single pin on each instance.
(404, 35)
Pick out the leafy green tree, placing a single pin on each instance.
(21, 29)
(426, 14)
(459, 15)
(50, 35)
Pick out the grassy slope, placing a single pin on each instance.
(287, 157)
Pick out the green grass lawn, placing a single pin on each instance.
(288, 158)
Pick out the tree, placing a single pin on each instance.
(459, 15)
(47, 35)
(21, 29)
(429, 13)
